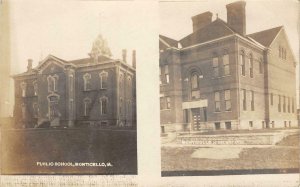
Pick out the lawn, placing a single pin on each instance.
(22, 149)
(285, 155)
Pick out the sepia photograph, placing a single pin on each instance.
(69, 77)
(229, 88)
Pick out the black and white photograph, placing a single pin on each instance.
(229, 87)
(70, 82)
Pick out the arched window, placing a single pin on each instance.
(86, 102)
(23, 89)
(121, 80)
(103, 79)
(103, 105)
(195, 92)
(35, 88)
(52, 83)
(87, 82)
(242, 63)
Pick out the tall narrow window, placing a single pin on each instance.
(227, 100)
(251, 65)
(279, 103)
(161, 103)
(121, 106)
(103, 80)
(215, 67)
(205, 113)
(87, 82)
(244, 98)
(121, 80)
(35, 110)
(226, 66)
(86, 105)
(35, 88)
(167, 77)
(103, 105)
(195, 93)
(289, 106)
(271, 98)
(284, 104)
(261, 66)
(168, 99)
(23, 110)
(160, 82)
(217, 102)
(71, 83)
(52, 83)
(242, 63)
(252, 100)
(23, 89)
(293, 105)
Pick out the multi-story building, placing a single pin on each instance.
(94, 91)
(219, 77)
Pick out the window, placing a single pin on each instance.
(103, 105)
(86, 102)
(252, 100)
(226, 64)
(121, 80)
(194, 81)
(290, 124)
(289, 106)
(273, 124)
(167, 74)
(217, 102)
(251, 124)
(263, 125)
(121, 106)
(205, 113)
(284, 105)
(285, 124)
(261, 66)
(217, 126)
(251, 65)
(195, 93)
(279, 103)
(227, 100)
(244, 97)
(215, 67)
(23, 110)
(242, 63)
(271, 98)
(160, 82)
(293, 109)
(161, 103)
(35, 110)
(87, 82)
(52, 83)
(103, 80)
(35, 88)
(168, 99)
(228, 125)
(71, 82)
(23, 89)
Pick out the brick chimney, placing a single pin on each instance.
(124, 55)
(236, 16)
(134, 59)
(29, 65)
(201, 20)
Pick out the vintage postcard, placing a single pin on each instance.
(229, 88)
(69, 105)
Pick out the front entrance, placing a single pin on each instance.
(196, 118)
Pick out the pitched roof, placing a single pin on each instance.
(213, 30)
(165, 42)
(266, 37)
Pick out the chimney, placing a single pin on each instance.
(236, 16)
(124, 55)
(29, 65)
(201, 20)
(134, 59)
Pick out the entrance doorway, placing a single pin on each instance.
(196, 118)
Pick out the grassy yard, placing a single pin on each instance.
(22, 149)
(284, 155)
